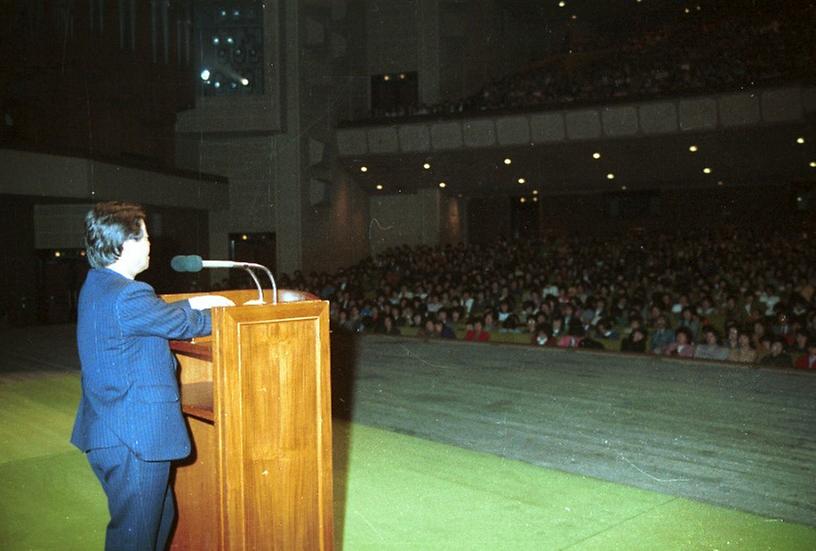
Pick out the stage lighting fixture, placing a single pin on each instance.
(205, 74)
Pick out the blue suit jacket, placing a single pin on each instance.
(130, 393)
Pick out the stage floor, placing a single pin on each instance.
(480, 447)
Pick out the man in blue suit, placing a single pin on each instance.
(129, 420)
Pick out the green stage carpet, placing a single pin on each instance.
(392, 492)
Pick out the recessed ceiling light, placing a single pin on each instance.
(535, 192)
(800, 140)
(706, 170)
(562, 4)
(363, 169)
(812, 164)
(379, 186)
(596, 155)
(523, 200)
(522, 181)
(623, 188)
(535, 199)
(442, 184)
(693, 148)
(426, 166)
(387, 77)
(507, 161)
(720, 182)
(610, 176)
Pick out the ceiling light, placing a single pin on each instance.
(800, 140)
(57, 254)
(363, 169)
(812, 164)
(523, 200)
(379, 186)
(244, 237)
(402, 76)
(596, 155)
(720, 182)
(623, 188)
(387, 77)
(426, 166)
(706, 170)
(535, 192)
(561, 4)
(205, 74)
(610, 176)
(693, 148)
(245, 81)
(507, 161)
(442, 185)
(522, 181)
(535, 199)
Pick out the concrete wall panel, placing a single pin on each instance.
(513, 130)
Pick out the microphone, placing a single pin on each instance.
(194, 263)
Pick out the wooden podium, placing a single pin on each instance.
(256, 396)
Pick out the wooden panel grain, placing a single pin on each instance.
(197, 489)
(273, 417)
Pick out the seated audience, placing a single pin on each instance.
(744, 353)
(777, 357)
(710, 349)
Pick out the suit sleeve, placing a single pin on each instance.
(141, 313)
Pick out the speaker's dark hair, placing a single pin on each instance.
(107, 227)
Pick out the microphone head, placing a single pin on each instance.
(189, 263)
(194, 263)
(179, 263)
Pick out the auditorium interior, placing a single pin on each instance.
(567, 251)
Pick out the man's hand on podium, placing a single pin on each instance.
(203, 302)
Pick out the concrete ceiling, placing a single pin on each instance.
(756, 155)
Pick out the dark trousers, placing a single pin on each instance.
(140, 502)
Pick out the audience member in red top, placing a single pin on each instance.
(477, 333)
(808, 361)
